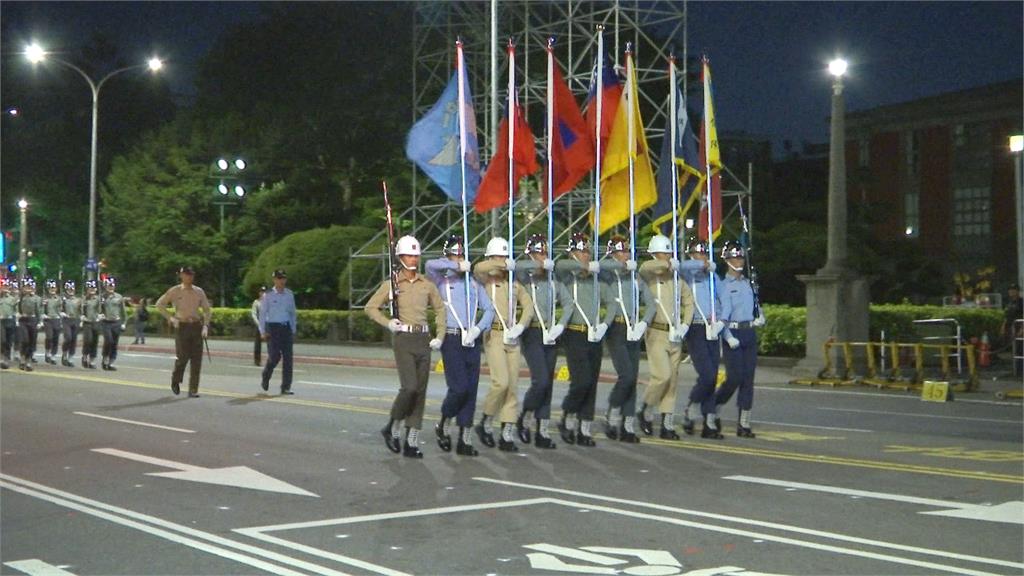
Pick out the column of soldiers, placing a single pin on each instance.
(23, 314)
(612, 304)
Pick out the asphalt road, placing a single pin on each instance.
(109, 473)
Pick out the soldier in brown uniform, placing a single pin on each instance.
(412, 342)
(191, 320)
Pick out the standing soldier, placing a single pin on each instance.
(278, 324)
(460, 350)
(702, 339)
(113, 316)
(30, 308)
(501, 343)
(90, 324)
(51, 321)
(191, 320)
(582, 340)
(539, 340)
(70, 314)
(623, 338)
(740, 355)
(139, 319)
(8, 320)
(408, 293)
(257, 304)
(664, 337)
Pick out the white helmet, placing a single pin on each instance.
(659, 244)
(407, 246)
(497, 247)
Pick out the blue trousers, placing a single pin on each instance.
(705, 355)
(462, 373)
(584, 360)
(541, 360)
(739, 369)
(279, 346)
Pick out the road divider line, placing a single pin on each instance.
(352, 386)
(136, 423)
(836, 428)
(917, 415)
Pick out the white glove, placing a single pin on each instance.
(673, 264)
(435, 344)
(597, 332)
(43, 316)
(549, 264)
(124, 326)
(638, 331)
(714, 330)
(395, 325)
(39, 326)
(469, 337)
(711, 266)
(630, 265)
(101, 317)
(594, 267)
(733, 342)
(682, 331)
(510, 264)
(515, 332)
(759, 321)
(206, 330)
(553, 334)
(464, 265)
(175, 322)
(63, 314)
(81, 323)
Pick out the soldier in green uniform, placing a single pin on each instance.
(51, 321)
(113, 319)
(90, 324)
(8, 320)
(621, 293)
(70, 313)
(30, 309)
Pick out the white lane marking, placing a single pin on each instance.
(138, 355)
(135, 422)
(133, 367)
(916, 415)
(760, 523)
(36, 567)
(659, 557)
(254, 367)
(121, 516)
(810, 426)
(236, 476)
(353, 386)
(577, 554)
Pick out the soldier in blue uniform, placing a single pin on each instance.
(740, 352)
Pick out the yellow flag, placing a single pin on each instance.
(714, 156)
(615, 164)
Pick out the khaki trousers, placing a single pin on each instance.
(503, 360)
(663, 358)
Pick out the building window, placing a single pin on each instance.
(959, 136)
(911, 215)
(863, 153)
(972, 214)
(912, 149)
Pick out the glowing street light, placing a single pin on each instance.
(837, 67)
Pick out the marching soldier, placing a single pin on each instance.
(412, 342)
(702, 339)
(740, 354)
(623, 338)
(91, 324)
(30, 309)
(501, 343)
(51, 321)
(112, 316)
(191, 322)
(664, 337)
(8, 320)
(70, 314)
(460, 349)
(539, 340)
(582, 340)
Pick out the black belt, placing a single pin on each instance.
(577, 327)
(663, 326)
(735, 325)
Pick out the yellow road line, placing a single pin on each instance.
(684, 444)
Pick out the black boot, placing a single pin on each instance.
(744, 432)
(412, 448)
(646, 426)
(444, 441)
(568, 436)
(611, 430)
(389, 440)
(522, 431)
(584, 440)
(542, 440)
(462, 448)
(710, 430)
(505, 441)
(668, 430)
(486, 437)
(628, 434)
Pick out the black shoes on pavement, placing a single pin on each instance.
(745, 432)
(522, 431)
(486, 437)
(392, 443)
(176, 388)
(444, 441)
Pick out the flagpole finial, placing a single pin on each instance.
(599, 27)
(629, 47)
(511, 44)
(551, 42)
(458, 41)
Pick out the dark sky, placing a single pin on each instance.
(768, 58)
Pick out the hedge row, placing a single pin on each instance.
(782, 335)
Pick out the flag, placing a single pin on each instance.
(615, 166)
(611, 91)
(494, 187)
(572, 147)
(686, 163)
(710, 151)
(433, 143)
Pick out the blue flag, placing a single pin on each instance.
(687, 163)
(433, 143)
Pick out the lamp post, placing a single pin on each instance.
(23, 240)
(230, 190)
(836, 261)
(36, 54)
(1017, 149)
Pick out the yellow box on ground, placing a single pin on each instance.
(562, 375)
(439, 367)
(934, 391)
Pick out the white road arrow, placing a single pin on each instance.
(237, 476)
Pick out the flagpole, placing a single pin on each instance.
(597, 187)
(632, 94)
(510, 319)
(551, 178)
(707, 167)
(462, 159)
(673, 119)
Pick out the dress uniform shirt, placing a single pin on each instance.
(737, 298)
(51, 306)
(30, 306)
(544, 291)
(278, 308)
(618, 284)
(71, 307)
(657, 275)
(187, 302)
(490, 274)
(7, 305)
(113, 307)
(452, 285)
(90, 308)
(578, 294)
(413, 297)
(700, 283)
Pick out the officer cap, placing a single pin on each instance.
(280, 273)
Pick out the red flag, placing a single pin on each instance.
(493, 191)
(716, 198)
(611, 93)
(572, 151)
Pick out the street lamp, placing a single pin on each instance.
(36, 54)
(836, 261)
(23, 240)
(1017, 149)
(229, 191)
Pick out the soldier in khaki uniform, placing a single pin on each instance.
(8, 320)
(664, 336)
(412, 342)
(501, 343)
(191, 320)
